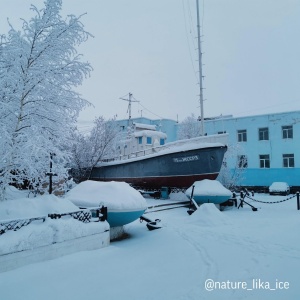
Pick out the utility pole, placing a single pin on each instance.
(200, 70)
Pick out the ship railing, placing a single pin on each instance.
(216, 138)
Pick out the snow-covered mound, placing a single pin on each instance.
(209, 187)
(114, 195)
(209, 215)
(22, 208)
(39, 233)
(13, 193)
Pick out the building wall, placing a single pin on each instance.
(275, 146)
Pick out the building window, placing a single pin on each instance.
(221, 132)
(264, 161)
(288, 160)
(149, 140)
(242, 135)
(140, 140)
(263, 134)
(162, 142)
(242, 162)
(287, 132)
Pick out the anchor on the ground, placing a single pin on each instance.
(243, 195)
(151, 225)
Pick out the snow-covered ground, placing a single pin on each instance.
(41, 232)
(248, 255)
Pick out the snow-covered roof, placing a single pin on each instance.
(144, 126)
(150, 133)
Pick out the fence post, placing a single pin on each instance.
(298, 202)
(103, 211)
(242, 196)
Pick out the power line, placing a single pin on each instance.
(151, 112)
(188, 41)
(135, 100)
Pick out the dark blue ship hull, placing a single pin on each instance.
(179, 169)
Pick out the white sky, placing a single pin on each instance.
(251, 49)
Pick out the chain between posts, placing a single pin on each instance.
(271, 202)
(243, 196)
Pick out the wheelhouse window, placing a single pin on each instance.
(149, 140)
(242, 135)
(242, 161)
(263, 134)
(162, 142)
(287, 132)
(288, 160)
(140, 139)
(264, 161)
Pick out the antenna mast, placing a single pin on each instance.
(200, 70)
(129, 100)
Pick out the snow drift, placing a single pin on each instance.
(209, 215)
(18, 206)
(39, 233)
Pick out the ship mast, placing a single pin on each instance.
(129, 100)
(200, 71)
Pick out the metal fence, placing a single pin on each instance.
(86, 216)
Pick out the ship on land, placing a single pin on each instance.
(147, 162)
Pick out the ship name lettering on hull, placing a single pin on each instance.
(186, 159)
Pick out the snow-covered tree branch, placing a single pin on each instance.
(39, 67)
(189, 128)
(232, 178)
(88, 150)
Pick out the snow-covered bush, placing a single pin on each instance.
(88, 150)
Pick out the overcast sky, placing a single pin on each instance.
(148, 48)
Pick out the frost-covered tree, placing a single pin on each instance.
(232, 177)
(90, 149)
(39, 67)
(189, 128)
